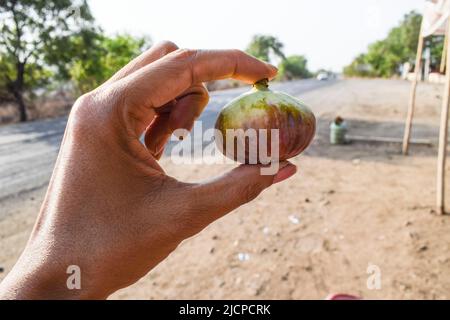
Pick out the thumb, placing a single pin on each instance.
(217, 197)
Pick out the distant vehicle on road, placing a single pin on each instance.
(323, 76)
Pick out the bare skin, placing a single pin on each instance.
(110, 208)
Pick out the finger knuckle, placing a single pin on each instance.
(168, 46)
(91, 114)
(81, 112)
(184, 53)
(205, 95)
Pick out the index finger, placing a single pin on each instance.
(163, 80)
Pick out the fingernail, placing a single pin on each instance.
(158, 145)
(286, 171)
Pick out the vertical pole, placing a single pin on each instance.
(444, 54)
(443, 135)
(412, 97)
(427, 66)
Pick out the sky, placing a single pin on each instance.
(330, 33)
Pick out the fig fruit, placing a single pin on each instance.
(264, 121)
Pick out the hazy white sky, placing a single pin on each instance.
(330, 33)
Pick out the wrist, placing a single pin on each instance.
(47, 281)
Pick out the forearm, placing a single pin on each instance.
(38, 279)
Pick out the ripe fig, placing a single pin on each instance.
(263, 124)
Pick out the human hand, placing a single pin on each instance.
(110, 208)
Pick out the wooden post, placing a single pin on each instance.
(412, 97)
(443, 133)
(444, 54)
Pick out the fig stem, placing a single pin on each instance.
(262, 84)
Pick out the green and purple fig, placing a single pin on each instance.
(288, 125)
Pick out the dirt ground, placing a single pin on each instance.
(348, 208)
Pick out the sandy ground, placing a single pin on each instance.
(349, 207)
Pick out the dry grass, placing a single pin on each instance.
(41, 109)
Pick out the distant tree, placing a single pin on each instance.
(61, 53)
(293, 67)
(261, 46)
(436, 45)
(27, 30)
(358, 68)
(6, 72)
(383, 60)
(102, 58)
(402, 40)
(385, 57)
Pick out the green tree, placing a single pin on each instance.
(293, 67)
(436, 45)
(358, 68)
(63, 51)
(385, 57)
(27, 30)
(382, 60)
(261, 46)
(102, 58)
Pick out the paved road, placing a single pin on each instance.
(28, 151)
